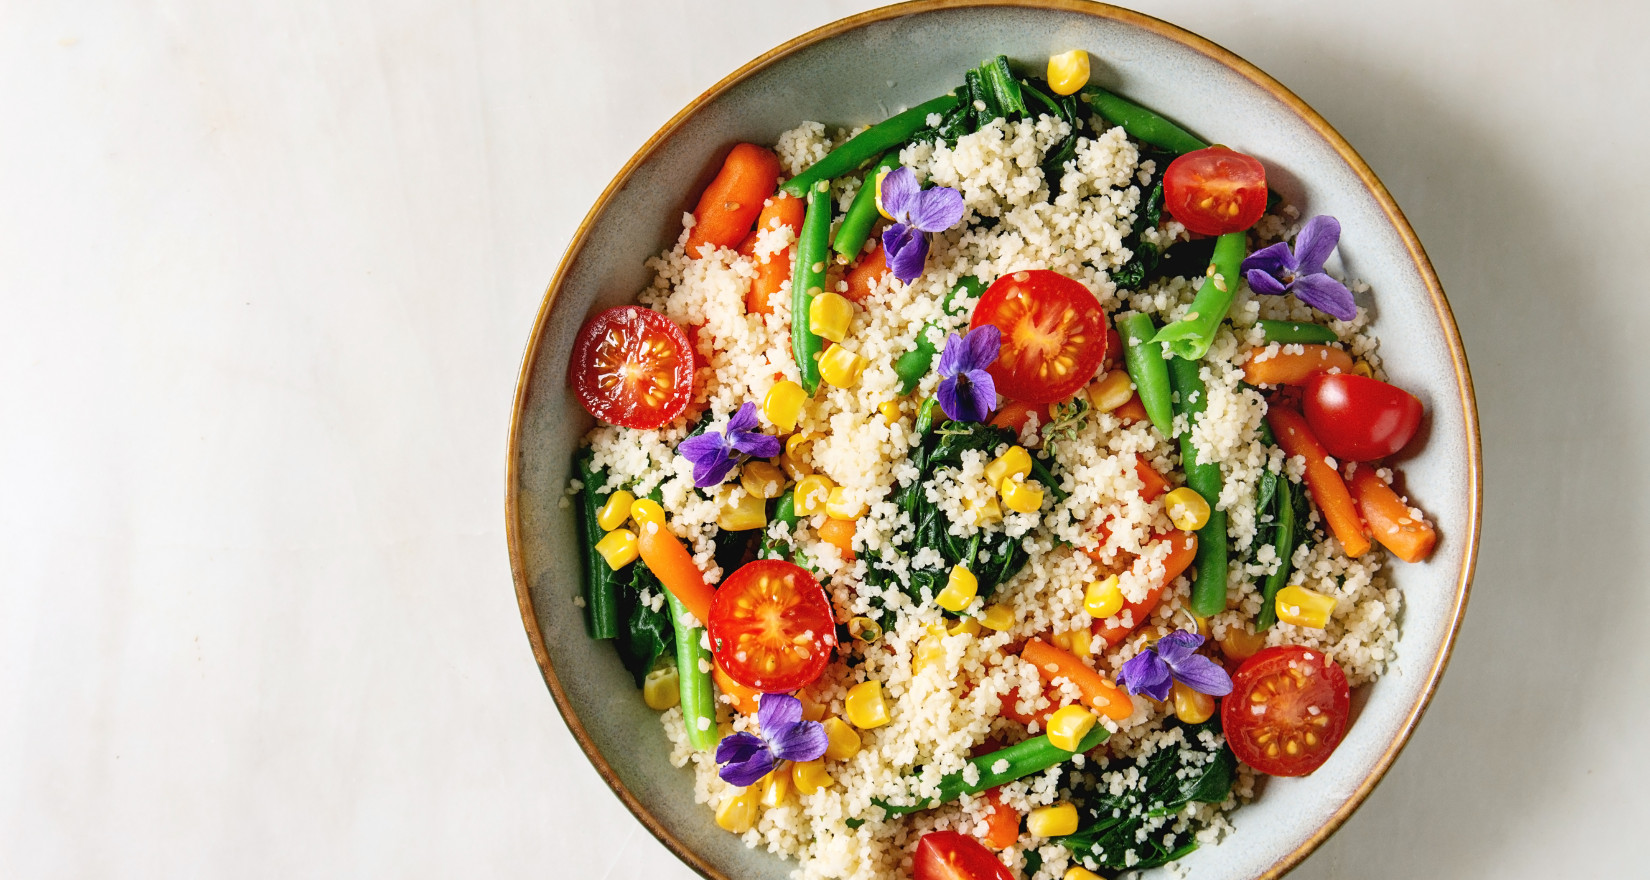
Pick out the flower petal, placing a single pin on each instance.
(739, 747)
(1146, 673)
(947, 394)
(953, 358)
(1203, 675)
(983, 390)
(1175, 647)
(1325, 294)
(714, 473)
(1315, 242)
(937, 209)
(981, 346)
(898, 188)
(747, 772)
(774, 711)
(756, 444)
(802, 741)
(744, 419)
(1274, 260)
(909, 252)
(1260, 282)
(712, 460)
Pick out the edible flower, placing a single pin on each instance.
(1276, 269)
(967, 392)
(747, 757)
(714, 453)
(1155, 669)
(916, 213)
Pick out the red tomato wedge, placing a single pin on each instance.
(632, 367)
(947, 855)
(1054, 335)
(1214, 191)
(1358, 418)
(771, 626)
(1287, 710)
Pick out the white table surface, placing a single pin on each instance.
(266, 271)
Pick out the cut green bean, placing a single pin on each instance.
(693, 673)
(914, 364)
(601, 598)
(1209, 583)
(1277, 580)
(1142, 124)
(808, 279)
(862, 214)
(784, 510)
(1032, 756)
(868, 144)
(1288, 332)
(1148, 369)
(1191, 336)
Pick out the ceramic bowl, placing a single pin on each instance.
(860, 70)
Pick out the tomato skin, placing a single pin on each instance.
(1214, 191)
(632, 367)
(1287, 716)
(948, 855)
(757, 614)
(1049, 323)
(1357, 418)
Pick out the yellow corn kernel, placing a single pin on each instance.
(646, 511)
(812, 494)
(615, 511)
(959, 590)
(751, 512)
(985, 512)
(841, 367)
(1022, 496)
(1056, 821)
(1104, 598)
(998, 618)
(618, 547)
(1016, 462)
(1068, 725)
(812, 709)
(1186, 509)
(864, 629)
(930, 650)
(965, 626)
(795, 460)
(810, 776)
(829, 315)
(762, 479)
(1202, 626)
(1240, 643)
(662, 689)
(865, 707)
(1191, 706)
(880, 209)
(1303, 607)
(775, 787)
(738, 813)
(1082, 643)
(841, 741)
(1068, 71)
(839, 506)
(783, 404)
(1361, 368)
(1077, 872)
(890, 411)
(1112, 391)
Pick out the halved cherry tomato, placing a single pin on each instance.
(1054, 335)
(771, 626)
(1214, 191)
(1287, 710)
(632, 367)
(947, 855)
(1014, 414)
(1358, 418)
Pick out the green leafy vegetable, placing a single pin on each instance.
(647, 634)
(1282, 512)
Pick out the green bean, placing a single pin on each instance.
(914, 364)
(1148, 369)
(1191, 336)
(808, 279)
(784, 510)
(862, 214)
(868, 144)
(1288, 332)
(698, 700)
(1286, 549)
(1209, 584)
(1032, 756)
(601, 598)
(1142, 124)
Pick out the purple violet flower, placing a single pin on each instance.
(747, 757)
(967, 392)
(916, 212)
(714, 453)
(1155, 669)
(1276, 269)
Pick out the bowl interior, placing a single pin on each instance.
(862, 70)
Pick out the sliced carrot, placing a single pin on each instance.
(1328, 490)
(743, 698)
(782, 210)
(1002, 822)
(1182, 550)
(1098, 694)
(1009, 710)
(839, 533)
(734, 199)
(865, 274)
(1284, 367)
(673, 565)
(1131, 411)
(1153, 486)
(1409, 536)
(1015, 414)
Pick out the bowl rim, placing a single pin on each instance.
(1158, 27)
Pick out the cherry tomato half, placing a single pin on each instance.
(1054, 335)
(947, 855)
(1287, 710)
(1357, 418)
(632, 367)
(1214, 191)
(771, 626)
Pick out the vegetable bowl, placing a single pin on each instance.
(941, 477)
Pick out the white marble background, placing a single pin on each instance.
(266, 271)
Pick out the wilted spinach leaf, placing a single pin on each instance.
(646, 633)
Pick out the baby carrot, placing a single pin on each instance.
(769, 277)
(839, 533)
(673, 565)
(865, 274)
(734, 199)
(1283, 367)
(1328, 490)
(1182, 550)
(1098, 694)
(1402, 530)
(742, 698)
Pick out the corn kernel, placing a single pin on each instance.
(880, 209)
(1022, 496)
(865, 707)
(1068, 72)
(841, 741)
(775, 787)
(810, 776)
(864, 629)
(738, 813)
(984, 512)
(1303, 607)
(838, 505)
(1240, 643)
(783, 404)
(1362, 368)
(1081, 643)
(1186, 509)
(1068, 725)
(646, 511)
(762, 479)
(1112, 391)
(750, 512)
(619, 548)
(1202, 626)
(1056, 821)
(662, 689)
(1077, 872)
(841, 367)
(812, 709)
(1103, 599)
(890, 411)
(812, 494)
(965, 626)
(1191, 706)
(1016, 462)
(795, 460)
(617, 509)
(999, 618)
(829, 315)
(959, 590)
